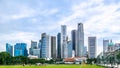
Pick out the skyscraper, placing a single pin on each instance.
(92, 47)
(59, 45)
(64, 51)
(70, 48)
(45, 46)
(20, 49)
(85, 51)
(33, 46)
(36, 52)
(105, 45)
(80, 40)
(39, 44)
(74, 40)
(9, 49)
(53, 47)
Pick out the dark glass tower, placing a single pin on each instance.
(74, 40)
(59, 45)
(20, 49)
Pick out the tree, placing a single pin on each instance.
(20, 60)
(5, 58)
(118, 57)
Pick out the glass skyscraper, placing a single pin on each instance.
(45, 46)
(59, 45)
(105, 45)
(64, 51)
(74, 40)
(20, 49)
(92, 47)
(9, 49)
(70, 49)
(80, 40)
(33, 46)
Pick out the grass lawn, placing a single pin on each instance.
(52, 66)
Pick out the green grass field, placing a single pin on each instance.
(52, 66)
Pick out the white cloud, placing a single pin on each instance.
(18, 37)
(34, 20)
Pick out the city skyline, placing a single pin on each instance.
(23, 21)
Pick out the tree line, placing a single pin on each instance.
(7, 59)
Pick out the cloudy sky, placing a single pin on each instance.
(25, 20)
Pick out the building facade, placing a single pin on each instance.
(74, 40)
(53, 47)
(9, 49)
(64, 51)
(70, 49)
(45, 46)
(39, 44)
(117, 46)
(105, 45)
(85, 51)
(80, 40)
(20, 49)
(33, 46)
(92, 47)
(36, 52)
(59, 45)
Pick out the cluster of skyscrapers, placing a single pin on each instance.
(58, 47)
(19, 49)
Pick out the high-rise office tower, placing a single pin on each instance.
(39, 44)
(92, 47)
(36, 52)
(105, 48)
(59, 45)
(74, 40)
(64, 51)
(80, 40)
(9, 49)
(105, 45)
(70, 49)
(45, 46)
(20, 49)
(85, 51)
(53, 47)
(33, 46)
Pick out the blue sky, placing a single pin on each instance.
(25, 20)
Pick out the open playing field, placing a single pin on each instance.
(53, 66)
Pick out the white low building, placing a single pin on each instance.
(32, 57)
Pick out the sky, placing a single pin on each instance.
(25, 20)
